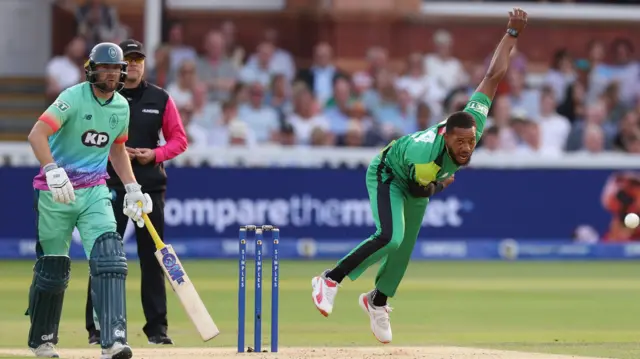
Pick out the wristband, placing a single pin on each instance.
(439, 187)
(49, 167)
(512, 32)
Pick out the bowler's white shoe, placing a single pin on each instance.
(117, 351)
(46, 350)
(379, 317)
(324, 293)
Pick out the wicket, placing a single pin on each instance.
(275, 274)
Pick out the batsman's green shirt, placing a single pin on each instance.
(421, 156)
(84, 128)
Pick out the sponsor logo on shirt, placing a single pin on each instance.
(478, 107)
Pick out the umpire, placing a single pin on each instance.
(152, 111)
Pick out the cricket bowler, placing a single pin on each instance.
(73, 139)
(400, 181)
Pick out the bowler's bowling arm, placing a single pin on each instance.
(121, 163)
(39, 141)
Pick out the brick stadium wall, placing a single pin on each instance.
(352, 32)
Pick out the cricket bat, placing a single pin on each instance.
(182, 286)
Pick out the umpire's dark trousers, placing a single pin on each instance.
(154, 295)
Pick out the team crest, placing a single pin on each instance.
(113, 121)
(61, 105)
(113, 53)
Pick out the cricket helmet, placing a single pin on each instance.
(105, 53)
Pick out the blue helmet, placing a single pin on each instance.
(105, 53)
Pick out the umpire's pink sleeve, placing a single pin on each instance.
(173, 132)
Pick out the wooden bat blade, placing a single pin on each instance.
(186, 292)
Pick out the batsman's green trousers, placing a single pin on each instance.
(92, 213)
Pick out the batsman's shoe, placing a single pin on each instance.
(379, 317)
(46, 350)
(324, 293)
(117, 351)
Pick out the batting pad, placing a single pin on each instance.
(50, 280)
(108, 266)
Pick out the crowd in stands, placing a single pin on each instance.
(232, 95)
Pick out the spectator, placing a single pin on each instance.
(490, 142)
(406, 111)
(234, 52)
(204, 113)
(161, 73)
(278, 96)
(455, 101)
(626, 70)
(593, 140)
(629, 127)
(573, 106)
(523, 99)
(260, 70)
(599, 73)
(303, 119)
(66, 70)
(215, 69)
(477, 75)
(225, 130)
(420, 85)
(424, 118)
(279, 60)
(383, 102)
(595, 116)
(531, 142)
(354, 135)
(320, 137)
(561, 74)
(377, 60)
(554, 128)
(262, 119)
(182, 89)
(615, 108)
(287, 137)
(320, 77)
(501, 118)
(447, 70)
(179, 51)
(98, 22)
(337, 111)
(632, 144)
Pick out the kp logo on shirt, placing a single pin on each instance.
(93, 138)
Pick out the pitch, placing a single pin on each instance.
(322, 353)
(442, 310)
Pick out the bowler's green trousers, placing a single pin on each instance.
(398, 218)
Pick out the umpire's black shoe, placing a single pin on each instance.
(94, 337)
(162, 339)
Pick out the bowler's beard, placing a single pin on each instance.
(452, 155)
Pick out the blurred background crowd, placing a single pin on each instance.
(232, 95)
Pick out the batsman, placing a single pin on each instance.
(72, 140)
(400, 181)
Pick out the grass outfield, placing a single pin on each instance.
(588, 309)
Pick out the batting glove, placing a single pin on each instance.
(131, 208)
(59, 184)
